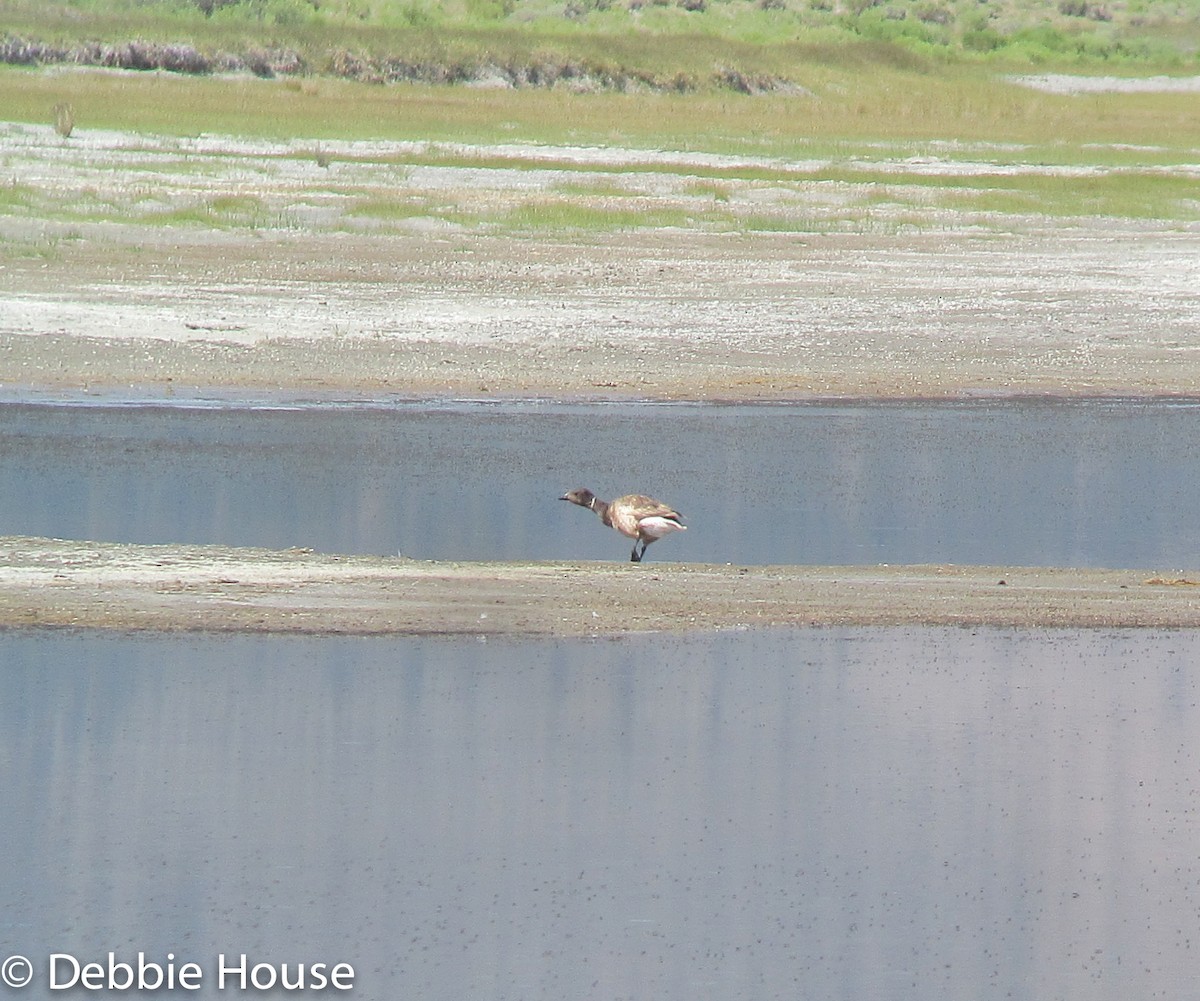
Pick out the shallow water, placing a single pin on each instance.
(1088, 483)
(917, 813)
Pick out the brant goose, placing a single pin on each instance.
(641, 518)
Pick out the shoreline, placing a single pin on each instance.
(47, 583)
(351, 398)
(78, 368)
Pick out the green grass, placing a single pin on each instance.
(706, 51)
(1122, 194)
(709, 189)
(541, 215)
(850, 112)
(396, 210)
(595, 187)
(659, 41)
(863, 180)
(222, 212)
(17, 197)
(870, 103)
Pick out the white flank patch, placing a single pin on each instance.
(656, 526)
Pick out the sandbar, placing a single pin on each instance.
(176, 588)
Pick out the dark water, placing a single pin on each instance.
(859, 814)
(1037, 482)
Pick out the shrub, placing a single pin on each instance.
(1082, 8)
(933, 13)
(982, 40)
(64, 119)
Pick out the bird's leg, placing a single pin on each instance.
(637, 557)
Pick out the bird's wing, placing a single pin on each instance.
(647, 507)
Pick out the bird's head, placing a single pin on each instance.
(583, 497)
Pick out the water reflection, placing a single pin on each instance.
(921, 813)
(1032, 482)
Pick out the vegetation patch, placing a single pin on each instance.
(873, 134)
(750, 47)
(17, 197)
(558, 214)
(1121, 194)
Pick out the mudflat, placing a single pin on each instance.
(52, 583)
(170, 266)
(628, 316)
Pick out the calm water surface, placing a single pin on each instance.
(1039, 482)
(859, 814)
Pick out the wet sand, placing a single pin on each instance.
(51, 583)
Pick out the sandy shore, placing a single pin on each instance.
(50, 583)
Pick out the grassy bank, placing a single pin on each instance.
(920, 155)
(626, 45)
(845, 149)
(964, 104)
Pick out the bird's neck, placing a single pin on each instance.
(600, 507)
